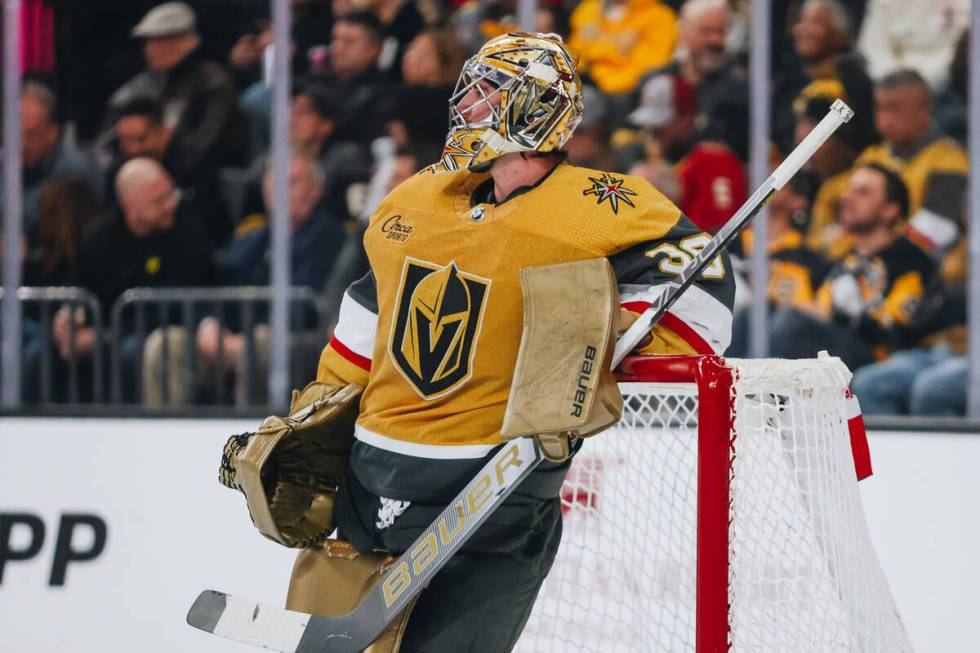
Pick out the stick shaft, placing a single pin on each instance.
(838, 114)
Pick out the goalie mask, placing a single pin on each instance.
(519, 93)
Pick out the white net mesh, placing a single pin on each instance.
(803, 574)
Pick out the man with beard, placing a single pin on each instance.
(877, 285)
(719, 81)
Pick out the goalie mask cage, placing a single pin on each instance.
(721, 514)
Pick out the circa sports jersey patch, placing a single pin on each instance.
(436, 325)
(610, 188)
(396, 228)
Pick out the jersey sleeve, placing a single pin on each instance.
(700, 322)
(347, 356)
(938, 222)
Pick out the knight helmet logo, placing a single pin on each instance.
(433, 339)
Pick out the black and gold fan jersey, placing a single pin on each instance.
(433, 330)
(892, 282)
(795, 271)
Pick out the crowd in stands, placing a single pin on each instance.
(146, 142)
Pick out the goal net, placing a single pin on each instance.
(722, 513)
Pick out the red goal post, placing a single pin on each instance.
(721, 514)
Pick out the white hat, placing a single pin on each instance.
(165, 20)
(656, 103)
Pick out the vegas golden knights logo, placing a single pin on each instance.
(437, 322)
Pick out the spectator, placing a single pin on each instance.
(934, 167)
(46, 153)
(589, 145)
(315, 235)
(312, 21)
(247, 55)
(951, 111)
(401, 22)
(353, 73)
(552, 19)
(711, 178)
(474, 23)
(877, 285)
(913, 35)
(420, 105)
(197, 99)
(718, 79)
(315, 240)
(620, 40)
(250, 60)
(138, 131)
(149, 241)
(929, 375)
(795, 271)
(409, 159)
(823, 40)
(314, 112)
(66, 207)
(701, 53)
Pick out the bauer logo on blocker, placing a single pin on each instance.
(436, 326)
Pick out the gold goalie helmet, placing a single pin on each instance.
(519, 93)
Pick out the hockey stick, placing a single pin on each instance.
(296, 632)
(838, 114)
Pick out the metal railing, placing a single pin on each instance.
(171, 317)
(81, 309)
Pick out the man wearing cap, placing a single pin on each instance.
(719, 81)
(711, 178)
(197, 98)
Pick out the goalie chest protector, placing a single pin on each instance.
(446, 263)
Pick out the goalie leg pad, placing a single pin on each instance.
(332, 580)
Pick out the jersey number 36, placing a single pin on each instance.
(677, 257)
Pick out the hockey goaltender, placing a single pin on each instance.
(411, 396)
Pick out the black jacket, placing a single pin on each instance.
(111, 259)
(200, 102)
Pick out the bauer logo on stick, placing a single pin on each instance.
(436, 543)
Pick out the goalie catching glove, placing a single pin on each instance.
(289, 469)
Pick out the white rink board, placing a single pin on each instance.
(172, 531)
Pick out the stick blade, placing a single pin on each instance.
(207, 610)
(248, 622)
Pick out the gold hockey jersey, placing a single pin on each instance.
(434, 329)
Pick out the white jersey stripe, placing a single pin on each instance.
(356, 327)
(435, 451)
(707, 316)
(939, 229)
